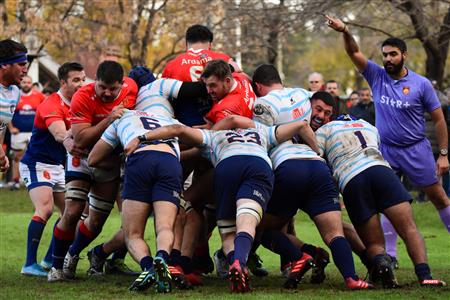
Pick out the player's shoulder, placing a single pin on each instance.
(85, 92)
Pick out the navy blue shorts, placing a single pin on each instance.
(152, 176)
(372, 191)
(241, 177)
(303, 184)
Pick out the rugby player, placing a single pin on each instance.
(42, 166)
(13, 67)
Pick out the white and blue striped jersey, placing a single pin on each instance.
(218, 145)
(285, 106)
(134, 123)
(351, 147)
(156, 97)
(9, 97)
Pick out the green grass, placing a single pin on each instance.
(16, 210)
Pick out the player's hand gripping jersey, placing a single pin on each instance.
(134, 123)
(222, 144)
(285, 106)
(350, 147)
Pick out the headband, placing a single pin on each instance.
(16, 58)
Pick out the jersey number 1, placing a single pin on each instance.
(361, 139)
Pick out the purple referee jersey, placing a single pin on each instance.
(400, 105)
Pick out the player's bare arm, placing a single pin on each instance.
(85, 135)
(440, 126)
(351, 47)
(100, 157)
(286, 131)
(232, 122)
(186, 135)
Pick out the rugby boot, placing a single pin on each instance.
(254, 264)
(221, 264)
(238, 277)
(145, 280)
(96, 264)
(359, 284)
(55, 275)
(179, 279)
(432, 283)
(118, 267)
(321, 261)
(33, 270)
(163, 276)
(298, 270)
(70, 265)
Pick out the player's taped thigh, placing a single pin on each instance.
(100, 204)
(76, 193)
(250, 208)
(187, 206)
(226, 226)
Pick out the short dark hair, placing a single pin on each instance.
(199, 33)
(326, 97)
(363, 89)
(331, 81)
(219, 68)
(9, 48)
(395, 42)
(110, 72)
(266, 74)
(65, 68)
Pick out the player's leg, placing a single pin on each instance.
(440, 200)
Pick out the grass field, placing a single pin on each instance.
(16, 211)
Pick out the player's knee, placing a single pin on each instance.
(76, 193)
(250, 209)
(226, 226)
(100, 205)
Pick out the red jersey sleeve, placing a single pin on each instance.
(167, 72)
(131, 93)
(50, 110)
(230, 105)
(80, 110)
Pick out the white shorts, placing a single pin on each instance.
(78, 168)
(20, 141)
(42, 174)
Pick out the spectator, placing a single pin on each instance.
(332, 87)
(353, 99)
(315, 81)
(364, 109)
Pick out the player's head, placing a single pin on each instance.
(13, 62)
(199, 34)
(265, 76)
(71, 77)
(394, 53)
(364, 95)
(218, 79)
(141, 75)
(315, 81)
(322, 104)
(332, 87)
(26, 84)
(109, 80)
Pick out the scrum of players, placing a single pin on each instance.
(206, 146)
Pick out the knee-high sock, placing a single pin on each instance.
(342, 257)
(83, 238)
(445, 217)
(390, 236)
(35, 229)
(279, 243)
(48, 256)
(61, 243)
(242, 246)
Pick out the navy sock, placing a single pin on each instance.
(220, 254)
(242, 245)
(279, 243)
(186, 264)
(309, 249)
(230, 257)
(175, 256)
(120, 254)
(163, 254)
(61, 243)
(146, 263)
(35, 229)
(423, 271)
(48, 256)
(342, 256)
(83, 238)
(98, 250)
